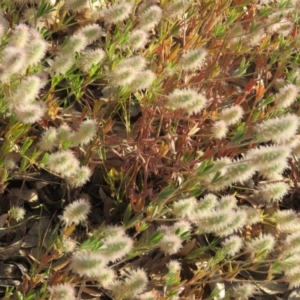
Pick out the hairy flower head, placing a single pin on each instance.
(87, 263)
(219, 129)
(80, 176)
(150, 17)
(286, 96)
(260, 245)
(30, 113)
(273, 191)
(193, 59)
(232, 245)
(76, 212)
(89, 58)
(278, 129)
(232, 114)
(170, 243)
(17, 213)
(48, 139)
(117, 12)
(62, 292)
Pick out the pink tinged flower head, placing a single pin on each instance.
(19, 36)
(27, 90)
(193, 59)
(63, 163)
(76, 43)
(137, 39)
(30, 113)
(36, 48)
(117, 12)
(85, 133)
(62, 63)
(232, 245)
(13, 61)
(89, 58)
(48, 139)
(150, 17)
(116, 248)
(87, 263)
(79, 177)
(183, 208)
(279, 129)
(232, 115)
(76, 5)
(76, 212)
(219, 129)
(62, 292)
(260, 245)
(243, 291)
(286, 96)
(170, 244)
(91, 32)
(136, 283)
(273, 191)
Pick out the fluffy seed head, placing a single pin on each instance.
(240, 171)
(13, 61)
(19, 36)
(27, 90)
(136, 283)
(238, 220)
(36, 48)
(227, 202)
(30, 113)
(260, 245)
(63, 163)
(287, 221)
(91, 32)
(143, 80)
(273, 191)
(243, 291)
(137, 39)
(170, 244)
(268, 156)
(253, 215)
(117, 12)
(278, 129)
(64, 135)
(219, 129)
(76, 212)
(89, 58)
(76, 5)
(17, 213)
(62, 63)
(183, 208)
(193, 59)
(175, 8)
(116, 248)
(86, 263)
(186, 99)
(232, 115)
(85, 132)
(79, 177)
(286, 96)
(76, 43)
(106, 277)
(215, 221)
(150, 17)
(62, 292)
(181, 227)
(232, 245)
(48, 139)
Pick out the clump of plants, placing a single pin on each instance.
(159, 139)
